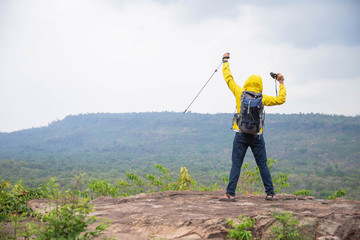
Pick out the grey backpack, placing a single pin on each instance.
(251, 117)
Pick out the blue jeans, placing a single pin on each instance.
(241, 143)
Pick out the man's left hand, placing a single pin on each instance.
(280, 78)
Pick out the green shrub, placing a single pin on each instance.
(13, 198)
(71, 221)
(68, 217)
(289, 229)
(105, 188)
(250, 180)
(302, 192)
(281, 180)
(242, 230)
(339, 193)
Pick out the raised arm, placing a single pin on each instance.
(228, 77)
(270, 101)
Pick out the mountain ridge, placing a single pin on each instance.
(107, 145)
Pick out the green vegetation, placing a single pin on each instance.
(13, 198)
(339, 193)
(67, 218)
(318, 152)
(70, 217)
(302, 192)
(242, 230)
(250, 180)
(68, 211)
(289, 228)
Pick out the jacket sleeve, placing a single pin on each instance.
(270, 101)
(230, 80)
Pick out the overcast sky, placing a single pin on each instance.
(69, 57)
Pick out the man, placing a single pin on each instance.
(256, 142)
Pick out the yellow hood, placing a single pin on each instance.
(254, 84)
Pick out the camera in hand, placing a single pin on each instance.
(273, 75)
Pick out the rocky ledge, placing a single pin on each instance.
(199, 215)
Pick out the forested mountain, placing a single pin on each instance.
(321, 152)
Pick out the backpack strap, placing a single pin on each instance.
(248, 110)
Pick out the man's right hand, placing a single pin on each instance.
(226, 57)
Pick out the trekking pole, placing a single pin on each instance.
(274, 76)
(202, 87)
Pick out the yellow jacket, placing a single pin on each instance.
(254, 84)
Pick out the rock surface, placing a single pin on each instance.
(199, 215)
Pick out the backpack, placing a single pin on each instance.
(251, 117)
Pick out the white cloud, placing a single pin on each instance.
(69, 57)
